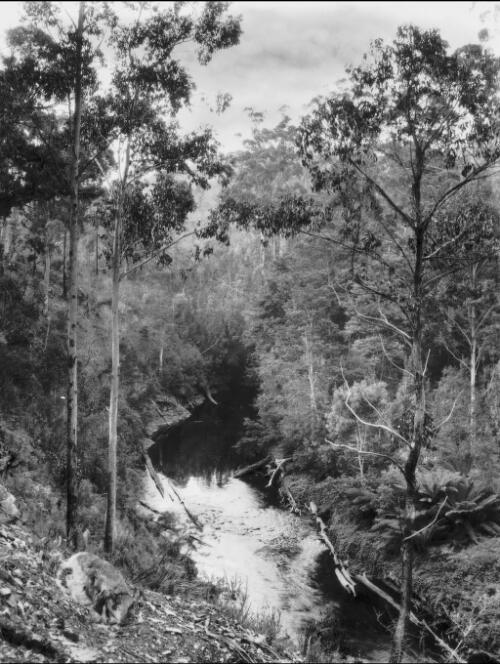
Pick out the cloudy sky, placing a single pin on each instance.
(292, 51)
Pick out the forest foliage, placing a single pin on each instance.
(347, 269)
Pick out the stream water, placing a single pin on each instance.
(274, 557)
(265, 552)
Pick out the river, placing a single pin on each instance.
(272, 556)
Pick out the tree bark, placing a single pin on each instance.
(417, 434)
(160, 359)
(253, 467)
(96, 248)
(473, 361)
(310, 376)
(109, 537)
(65, 267)
(46, 283)
(109, 534)
(360, 435)
(72, 395)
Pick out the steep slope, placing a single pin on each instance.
(40, 623)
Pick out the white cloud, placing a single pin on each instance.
(293, 51)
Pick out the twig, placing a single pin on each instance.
(357, 451)
(429, 524)
(279, 466)
(252, 467)
(155, 511)
(396, 366)
(374, 425)
(446, 419)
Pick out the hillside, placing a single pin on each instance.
(40, 623)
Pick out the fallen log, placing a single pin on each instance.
(170, 488)
(148, 507)
(152, 472)
(362, 578)
(341, 571)
(253, 467)
(190, 515)
(294, 507)
(206, 390)
(279, 468)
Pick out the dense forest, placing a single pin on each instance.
(335, 283)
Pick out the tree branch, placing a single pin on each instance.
(418, 532)
(447, 418)
(396, 366)
(349, 247)
(367, 452)
(445, 244)
(384, 194)
(153, 255)
(457, 187)
(374, 425)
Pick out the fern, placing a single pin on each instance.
(470, 512)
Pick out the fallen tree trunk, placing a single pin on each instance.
(279, 469)
(161, 490)
(152, 472)
(253, 467)
(362, 578)
(190, 515)
(341, 571)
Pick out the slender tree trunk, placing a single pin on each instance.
(473, 399)
(407, 546)
(471, 445)
(65, 267)
(46, 280)
(400, 632)
(109, 537)
(96, 248)
(360, 438)
(276, 247)
(312, 386)
(46, 284)
(416, 438)
(160, 359)
(72, 396)
(6, 239)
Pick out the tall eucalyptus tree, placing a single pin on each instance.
(416, 125)
(147, 202)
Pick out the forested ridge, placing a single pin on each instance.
(329, 294)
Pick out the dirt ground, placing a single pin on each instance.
(39, 622)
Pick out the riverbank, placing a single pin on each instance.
(40, 623)
(456, 590)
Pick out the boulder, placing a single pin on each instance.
(8, 509)
(93, 581)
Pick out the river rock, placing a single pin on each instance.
(93, 581)
(8, 509)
